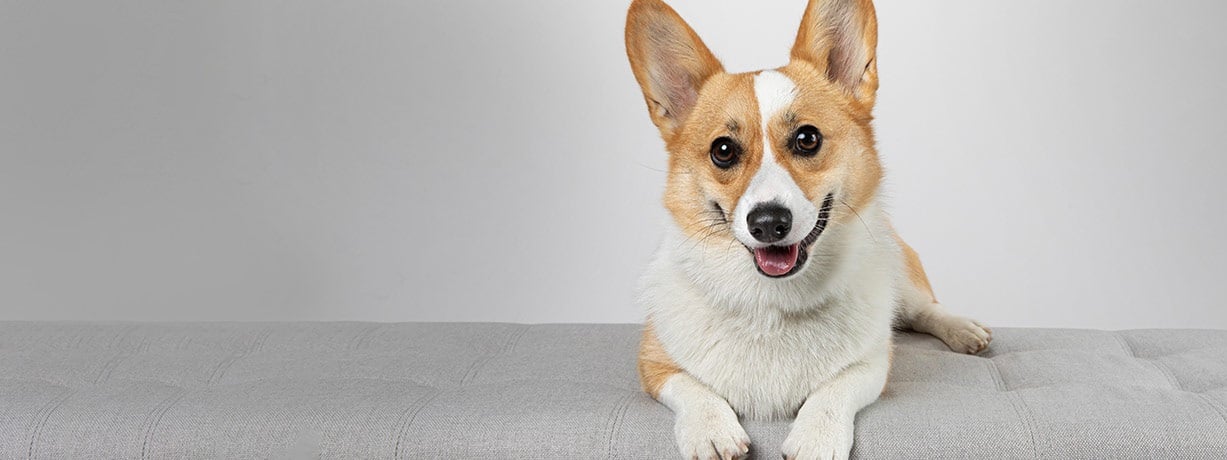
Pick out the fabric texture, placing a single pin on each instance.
(423, 390)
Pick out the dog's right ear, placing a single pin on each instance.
(669, 60)
(841, 38)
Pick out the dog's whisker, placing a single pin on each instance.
(705, 237)
(798, 283)
(858, 217)
(704, 223)
(651, 168)
(707, 231)
(708, 228)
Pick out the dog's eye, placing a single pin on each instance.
(725, 152)
(807, 141)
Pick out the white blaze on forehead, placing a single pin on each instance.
(772, 182)
(774, 91)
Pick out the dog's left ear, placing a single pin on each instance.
(669, 60)
(840, 37)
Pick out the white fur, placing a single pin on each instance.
(766, 344)
(824, 426)
(814, 344)
(705, 428)
(772, 183)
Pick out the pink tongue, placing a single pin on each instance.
(776, 261)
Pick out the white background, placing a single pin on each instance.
(1056, 163)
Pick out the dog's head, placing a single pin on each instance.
(768, 159)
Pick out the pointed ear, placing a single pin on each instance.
(669, 60)
(840, 37)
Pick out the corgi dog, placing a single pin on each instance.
(780, 278)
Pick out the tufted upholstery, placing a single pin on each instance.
(362, 390)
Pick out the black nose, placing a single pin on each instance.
(769, 222)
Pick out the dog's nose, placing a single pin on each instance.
(769, 222)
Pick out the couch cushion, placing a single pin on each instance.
(422, 390)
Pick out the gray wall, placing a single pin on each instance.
(1056, 163)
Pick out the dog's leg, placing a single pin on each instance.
(824, 425)
(704, 425)
(960, 334)
(920, 311)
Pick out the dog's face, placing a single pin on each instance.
(765, 160)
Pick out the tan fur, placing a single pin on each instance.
(692, 184)
(723, 100)
(915, 271)
(654, 32)
(845, 51)
(832, 76)
(655, 366)
(848, 151)
(890, 357)
(834, 68)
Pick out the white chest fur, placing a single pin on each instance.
(765, 344)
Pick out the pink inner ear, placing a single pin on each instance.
(680, 93)
(674, 81)
(839, 35)
(847, 61)
(843, 64)
(669, 59)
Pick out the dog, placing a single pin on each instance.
(780, 279)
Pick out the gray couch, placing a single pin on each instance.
(363, 390)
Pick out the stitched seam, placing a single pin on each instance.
(221, 368)
(1167, 373)
(143, 347)
(1125, 344)
(360, 341)
(1016, 401)
(156, 420)
(1163, 370)
(42, 422)
(998, 379)
(1213, 406)
(618, 415)
(512, 340)
(256, 345)
(515, 340)
(109, 367)
(1019, 352)
(410, 416)
(1025, 416)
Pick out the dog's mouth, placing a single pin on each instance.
(784, 261)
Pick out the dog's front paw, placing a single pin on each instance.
(711, 433)
(824, 439)
(965, 336)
